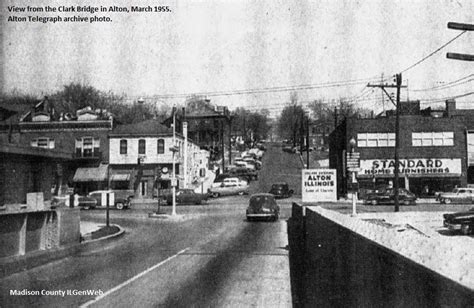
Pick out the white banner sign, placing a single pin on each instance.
(318, 185)
(411, 166)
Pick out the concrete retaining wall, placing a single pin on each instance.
(26, 231)
(336, 264)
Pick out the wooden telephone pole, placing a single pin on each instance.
(398, 86)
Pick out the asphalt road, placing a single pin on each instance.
(210, 257)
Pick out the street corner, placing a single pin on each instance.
(97, 232)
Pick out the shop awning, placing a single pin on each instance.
(96, 174)
(120, 177)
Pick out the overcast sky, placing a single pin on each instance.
(209, 46)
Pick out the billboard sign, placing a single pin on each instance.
(319, 185)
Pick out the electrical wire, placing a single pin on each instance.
(434, 52)
(447, 85)
(439, 100)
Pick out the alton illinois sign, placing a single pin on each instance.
(418, 166)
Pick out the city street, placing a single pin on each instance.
(210, 256)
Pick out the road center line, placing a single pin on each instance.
(118, 287)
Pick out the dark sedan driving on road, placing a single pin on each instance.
(281, 190)
(263, 206)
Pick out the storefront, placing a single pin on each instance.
(422, 176)
(90, 179)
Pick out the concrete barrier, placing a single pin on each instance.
(339, 260)
(23, 231)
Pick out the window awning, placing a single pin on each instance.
(97, 174)
(120, 177)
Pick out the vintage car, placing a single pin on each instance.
(262, 206)
(186, 196)
(387, 196)
(461, 221)
(229, 187)
(245, 173)
(121, 199)
(85, 202)
(458, 195)
(281, 190)
(227, 178)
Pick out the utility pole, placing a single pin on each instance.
(462, 27)
(222, 146)
(185, 150)
(230, 139)
(398, 86)
(173, 176)
(307, 142)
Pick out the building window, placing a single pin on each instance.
(161, 146)
(47, 143)
(141, 146)
(87, 147)
(123, 146)
(429, 139)
(375, 140)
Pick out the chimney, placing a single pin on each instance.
(450, 107)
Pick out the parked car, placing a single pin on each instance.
(458, 195)
(85, 202)
(281, 190)
(121, 199)
(461, 221)
(186, 196)
(244, 173)
(255, 163)
(229, 187)
(226, 177)
(245, 164)
(387, 196)
(287, 148)
(262, 206)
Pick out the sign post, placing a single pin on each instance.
(353, 166)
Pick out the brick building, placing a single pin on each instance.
(436, 149)
(82, 135)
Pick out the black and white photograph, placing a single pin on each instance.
(236, 153)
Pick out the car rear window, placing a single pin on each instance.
(259, 201)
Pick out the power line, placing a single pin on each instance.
(438, 100)
(268, 89)
(431, 54)
(447, 85)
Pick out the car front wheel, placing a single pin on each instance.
(373, 202)
(446, 201)
(215, 195)
(119, 205)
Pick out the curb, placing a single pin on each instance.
(87, 237)
(34, 259)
